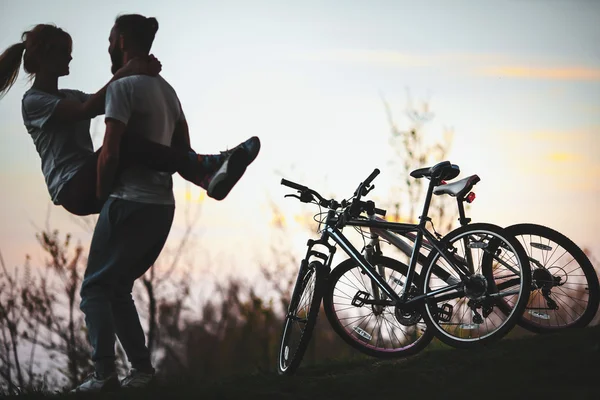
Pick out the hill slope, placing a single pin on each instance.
(563, 365)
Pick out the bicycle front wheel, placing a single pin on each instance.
(301, 317)
(464, 311)
(361, 314)
(564, 291)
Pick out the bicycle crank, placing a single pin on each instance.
(407, 316)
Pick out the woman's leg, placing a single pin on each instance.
(193, 167)
(78, 195)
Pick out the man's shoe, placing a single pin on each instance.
(94, 383)
(137, 379)
(228, 174)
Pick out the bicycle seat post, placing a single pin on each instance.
(461, 212)
(424, 215)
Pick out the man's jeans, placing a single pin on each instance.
(127, 240)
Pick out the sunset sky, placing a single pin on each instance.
(517, 80)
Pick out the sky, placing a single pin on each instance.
(517, 81)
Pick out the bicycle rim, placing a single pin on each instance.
(301, 318)
(469, 315)
(375, 330)
(564, 291)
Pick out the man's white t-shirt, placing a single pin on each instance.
(150, 108)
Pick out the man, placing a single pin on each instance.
(136, 219)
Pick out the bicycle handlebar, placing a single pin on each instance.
(293, 185)
(363, 189)
(380, 211)
(373, 175)
(332, 203)
(304, 191)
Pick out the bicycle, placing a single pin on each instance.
(565, 292)
(419, 305)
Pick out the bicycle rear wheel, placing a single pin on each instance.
(378, 330)
(301, 317)
(564, 292)
(464, 313)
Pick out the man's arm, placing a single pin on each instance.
(119, 107)
(108, 159)
(181, 135)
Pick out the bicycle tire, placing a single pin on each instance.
(583, 292)
(361, 337)
(291, 351)
(477, 330)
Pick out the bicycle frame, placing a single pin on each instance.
(393, 236)
(334, 224)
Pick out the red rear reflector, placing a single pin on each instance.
(444, 182)
(470, 197)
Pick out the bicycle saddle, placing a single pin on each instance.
(443, 170)
(458, 188)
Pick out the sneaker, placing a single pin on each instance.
(228, 174)
(94, 383)
(137, 379)
(252, 147)
(200, 168)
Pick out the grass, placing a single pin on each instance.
(561, 365)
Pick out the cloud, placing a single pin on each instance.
(482, 64)
(590, 108)
(583, 138)
(562, 157)
(381, 58)
(547, 73)
(392, 58)
(558, 136)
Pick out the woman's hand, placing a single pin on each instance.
(141, 66)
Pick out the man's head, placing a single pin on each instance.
(133, 34)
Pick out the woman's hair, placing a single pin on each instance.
(35, 44)
(138, 29)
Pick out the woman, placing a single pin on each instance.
(58, 121)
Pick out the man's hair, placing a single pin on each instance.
(138, 30)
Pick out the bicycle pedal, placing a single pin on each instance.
(444, 313)
(360, 298)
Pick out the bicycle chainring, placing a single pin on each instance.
(408, 315)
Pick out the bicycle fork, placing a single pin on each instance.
(372, 251)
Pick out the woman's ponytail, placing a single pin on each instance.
(10, 64)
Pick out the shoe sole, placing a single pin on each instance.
(238, 161)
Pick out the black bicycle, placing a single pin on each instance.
(383, 307)
(565, 292)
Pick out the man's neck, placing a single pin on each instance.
(129, 55)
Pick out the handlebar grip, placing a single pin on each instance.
(293, 185)
(371, 177)
(380, 211)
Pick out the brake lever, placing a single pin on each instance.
(368, 189)
(305, 196)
